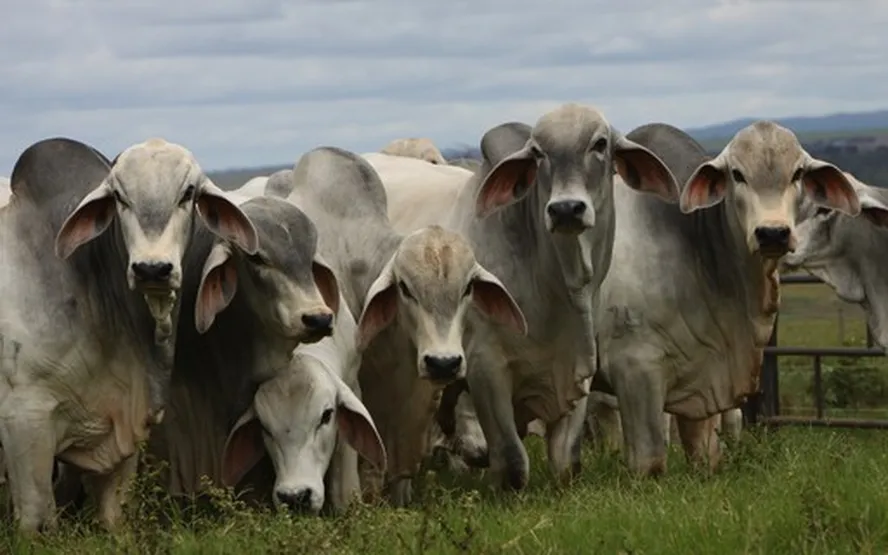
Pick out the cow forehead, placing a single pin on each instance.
(569, 125)
(767, 149)
(435, 254)
(155, 166)
(301, 387)
(286, 235)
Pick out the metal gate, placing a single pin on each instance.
(764, 408)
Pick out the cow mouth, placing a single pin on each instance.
(569, 227)
(311, 336)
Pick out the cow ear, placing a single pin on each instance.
(225, 219)
(327, 284)
(357, 427)
(493, 299)
(643, 170)
(381, 306)
(873, 205)
(508, 182)
(827, 186)
(89, 220)
(218, 286)
(706, 187)
(243, 449)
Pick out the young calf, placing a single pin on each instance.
(310, 421)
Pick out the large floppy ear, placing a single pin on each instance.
(873, 204)
(89, 220)
(218, 284)
(827, 186)
(508, 181)
(357, 427)
(326, 283)
(243, 449)
(225, 219)
(643, 170)
(381, 306)
(706, 187)
(493, 299)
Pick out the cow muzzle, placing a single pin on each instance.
(443, 369)
(301, 501)
(153, 276)
(774, 240)
(570, 217)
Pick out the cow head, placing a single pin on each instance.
(154, 190)
(761, 174)
(296, 418)
(292, 293)
(839, 249)
(428, 285)
(570, 159)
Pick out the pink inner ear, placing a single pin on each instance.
(828, 186)
(85, 225)
(216, 291)
(228, 222)
(643, 171)
(327, 285)
(706, 187)
(379, 313)
(243, 451)
(360, 435)
(499, 189)
(493, 301)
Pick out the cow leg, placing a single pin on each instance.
(699, 439)
(343, 484)
(564, 443)
(470, 442)
(110, 490)
(603, 420)
(732, 423)
(29, 441)
(640, 398)
(491, 386)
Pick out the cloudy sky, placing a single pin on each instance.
(252, 82)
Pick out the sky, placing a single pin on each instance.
(245, 83)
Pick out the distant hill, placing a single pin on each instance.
(855, 142)
(832, 123)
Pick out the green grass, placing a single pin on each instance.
(796, 490)
(785, 491)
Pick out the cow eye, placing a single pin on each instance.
(405, 291)
(737, 176)
(823, 211)
(326, 416)
(797, 175)
(599, 146)
(537, 152)
(258, 259)
(119, 198)
(468, 290)
(187, 195)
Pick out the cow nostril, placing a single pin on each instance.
(566, 209)
(295, 501)
(152, 271)
(772, 236)
(317, 321)
(442, 368)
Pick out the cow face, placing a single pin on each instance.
(761, 174)
(428, 285)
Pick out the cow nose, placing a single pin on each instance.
(772, 237)
(299, 501)
(442, 368)
(566, 210)
(152, 271)
(318, 322)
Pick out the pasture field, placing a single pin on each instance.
(793, 491)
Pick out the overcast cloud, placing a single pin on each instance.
(253, 82)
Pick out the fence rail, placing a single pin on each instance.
(764, 408)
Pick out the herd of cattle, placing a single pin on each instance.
(351, 316)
